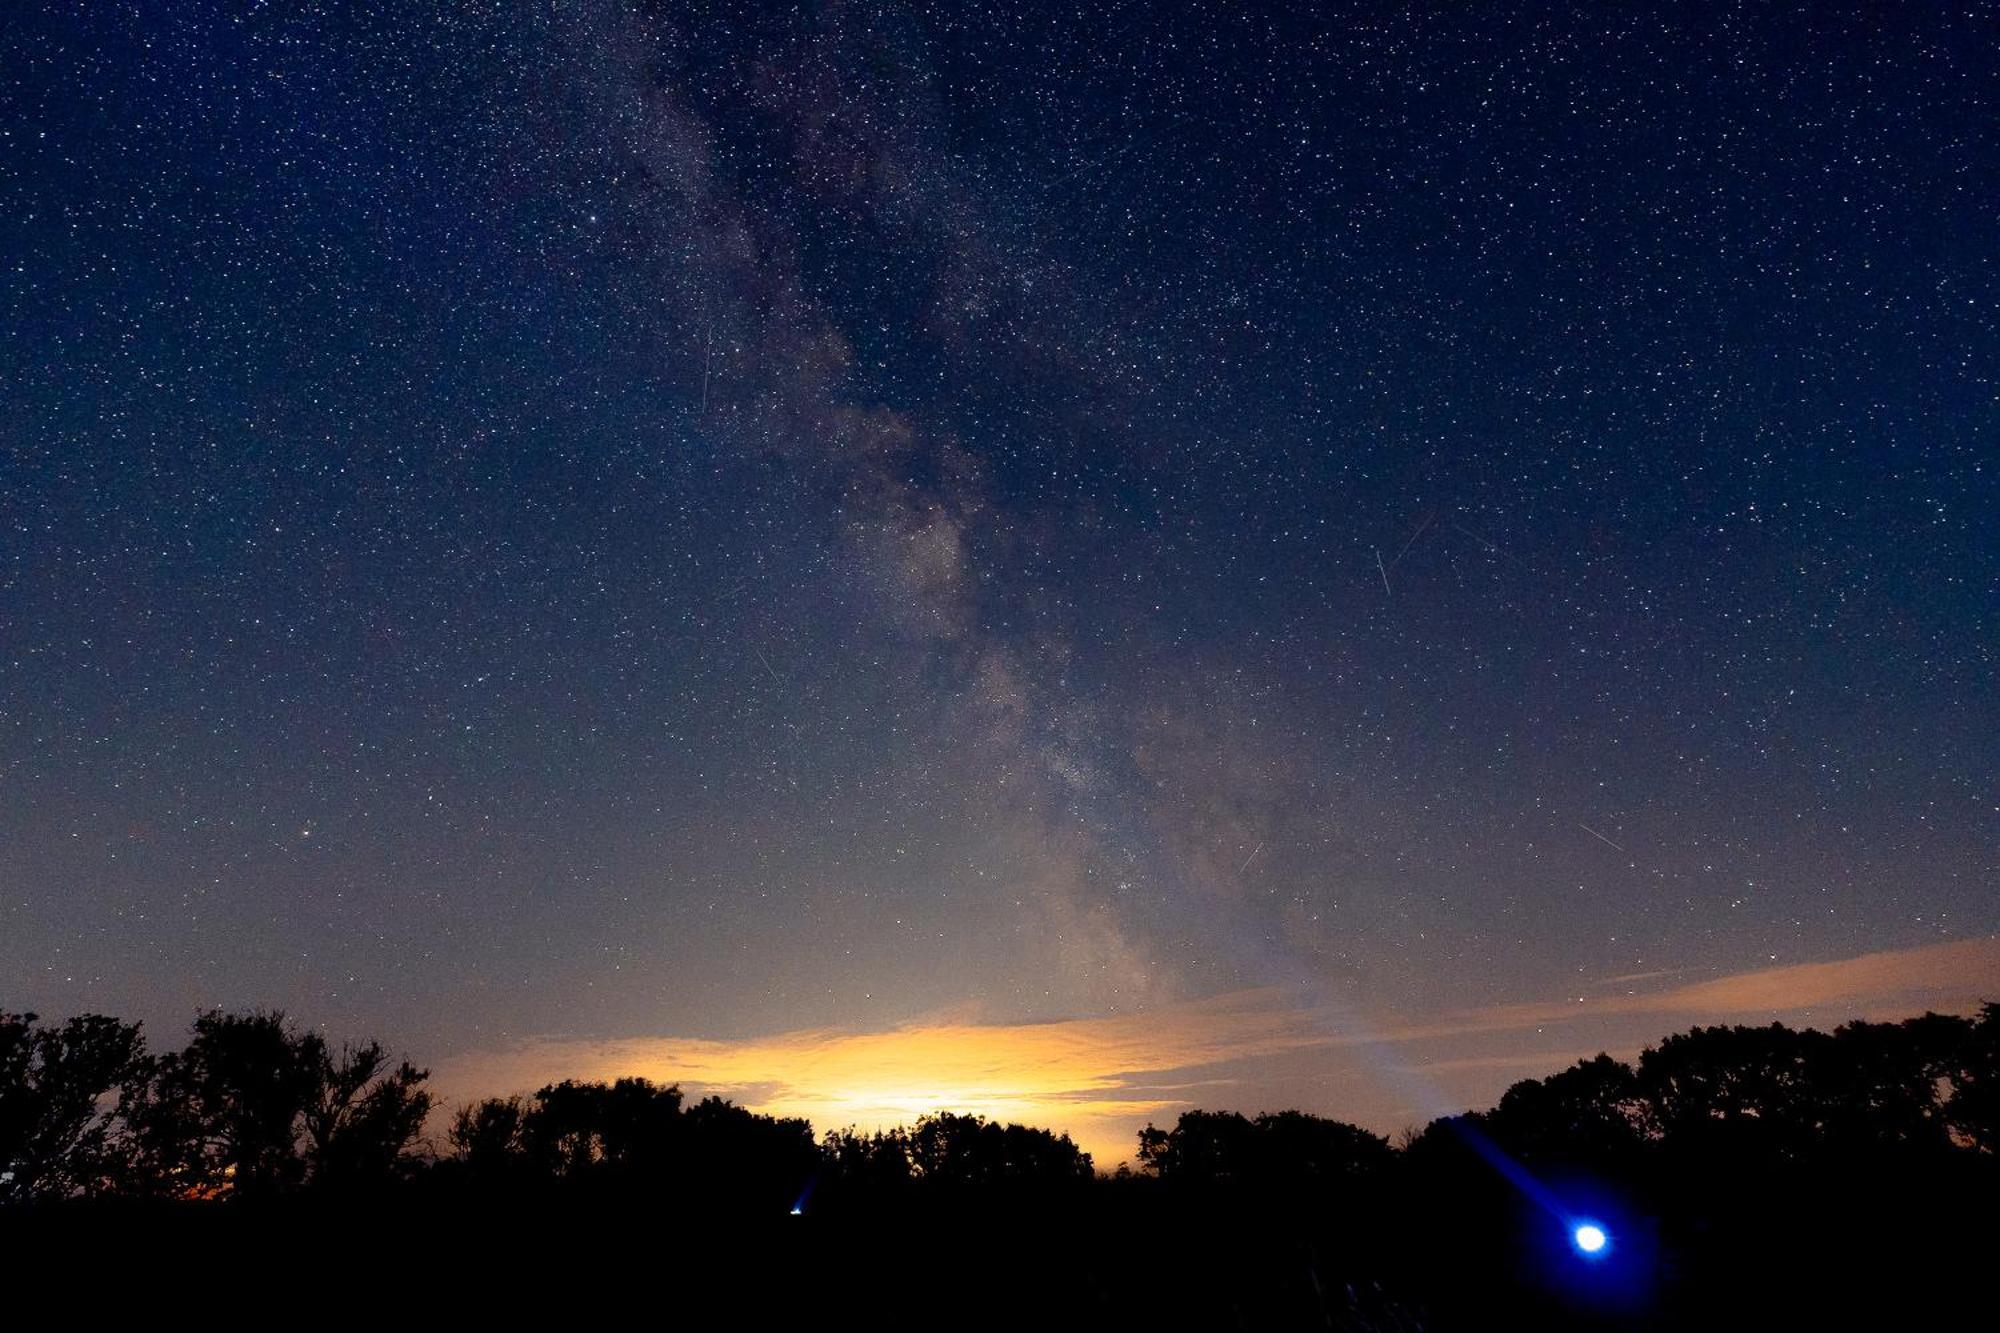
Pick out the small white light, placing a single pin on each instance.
(796, 1210)
(1590, 1238)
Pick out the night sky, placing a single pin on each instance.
(859, 555)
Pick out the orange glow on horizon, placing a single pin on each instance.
(1080, 1076)
(1101, 1079)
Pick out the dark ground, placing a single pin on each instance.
(1786, 1250)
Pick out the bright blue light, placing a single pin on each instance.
(1589, 1238)
(797, 1210)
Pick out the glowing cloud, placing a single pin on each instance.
(1954, 976)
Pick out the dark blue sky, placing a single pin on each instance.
(620, 519)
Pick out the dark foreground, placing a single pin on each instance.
(1733, 1178)
(1777, 1250)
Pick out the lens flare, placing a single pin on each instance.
(1590, 1238)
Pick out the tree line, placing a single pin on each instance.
(254, 1107)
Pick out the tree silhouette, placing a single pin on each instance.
(874, 1161)
(639, 1124)
(563, 1130)
(635, 1134)
(1973, 1112)
(1320, 1151)
(1594, 1110)
(222, 1115)
(362, 1116)
(1781, 1094)
(489, 1136)
(1877, 1085)
(249, 1107)
(55, 1140)
(952, 1149)
(1286, 1148)
(1203, 1145)
(751, 1162)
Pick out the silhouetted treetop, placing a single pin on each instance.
(972, 1150)
(1286, 1148)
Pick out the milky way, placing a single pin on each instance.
(616, 521)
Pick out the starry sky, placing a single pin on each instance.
(1069, 559)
